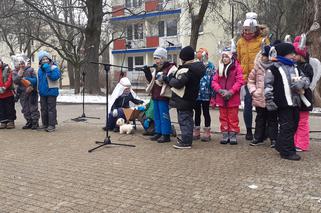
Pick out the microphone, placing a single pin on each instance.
(146, 67)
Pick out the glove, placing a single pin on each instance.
(115, 113)
(20, 73)
(227, 95)
(146, 69)
(29, 89)
(297, 85)
(271, 106)
(159, 77)
(140, 108)
(2, 90)
(168, 78)
(45, 66)
(222, 92)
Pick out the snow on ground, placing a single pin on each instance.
(68, 96)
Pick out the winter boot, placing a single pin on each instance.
(232, 137)
(155, 137)
(34, 125)
(27, 125)
(207, 134)
(3, 125)
(196, 133)
(10, 125)
(164, 139)
(249, 135)
(273, 142)
(225, 138)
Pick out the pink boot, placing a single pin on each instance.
(196, 133)
(206, 137)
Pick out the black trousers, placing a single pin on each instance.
(48, 110)
(266, 124)
(205, 106)
(186, 124)
(288, 121)
(7, 109)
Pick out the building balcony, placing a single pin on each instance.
(120, 44)
(147, 43)
(118, 10)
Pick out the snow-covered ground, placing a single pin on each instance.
(68, 96)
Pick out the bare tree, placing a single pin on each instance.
(311, 24)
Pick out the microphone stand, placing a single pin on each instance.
(107, 140)
(83, 117)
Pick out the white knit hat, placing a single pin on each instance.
(250, 20)
(160, 53)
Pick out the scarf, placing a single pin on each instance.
(285, 61)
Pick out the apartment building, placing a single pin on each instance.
(145, 25)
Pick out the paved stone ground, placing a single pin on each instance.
(53, 172)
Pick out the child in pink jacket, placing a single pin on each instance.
(227, 83)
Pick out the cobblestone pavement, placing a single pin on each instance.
(53, 172)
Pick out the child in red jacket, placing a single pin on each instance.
(7, 108)
(227, 83)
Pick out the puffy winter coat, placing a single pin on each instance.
(246, 53)
(206, 92)
(6, 81)
(48, 75)
(307, 70)
(191, 81)
(255, 81)
(156, 89)
(233, 83)
(29, 74)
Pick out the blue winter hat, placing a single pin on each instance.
(43, 54)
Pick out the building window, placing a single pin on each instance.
(138, 31)
(137, 61)
(130, 63)
(171, 27)
(172, 58)
(137, 3)
(161, 29)
(128, 3)
(133, 3)
(169, 30)
(130, 32)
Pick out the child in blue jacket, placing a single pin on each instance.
(48, 87)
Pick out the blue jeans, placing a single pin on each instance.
(162, 119)
(247, 113)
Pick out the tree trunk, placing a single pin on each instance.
(77, 79)
(197, 20)
(92, 34)
(71, 75)
(313, 14)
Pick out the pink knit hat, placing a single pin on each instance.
(303, 52)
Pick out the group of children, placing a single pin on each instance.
(24, 84)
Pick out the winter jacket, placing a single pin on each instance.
(246, 53)
(278, 85)
(6, 81)
(29, 74)
(206, 92)
(255, 81)
(233, 83)
(123, 101)
(156, 89)
(307, 70)
(191, 81)
(48, 76)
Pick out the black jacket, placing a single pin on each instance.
(191, 81)
(307, 70)
(123, 101)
